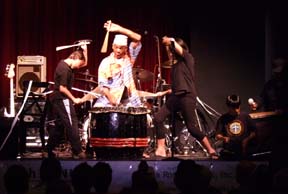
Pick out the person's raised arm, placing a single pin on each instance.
(85, 53)
(112, 27)
(170, 42)
(135, 44)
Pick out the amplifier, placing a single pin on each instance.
(30, 68)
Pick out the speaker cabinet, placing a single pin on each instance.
(30, 68)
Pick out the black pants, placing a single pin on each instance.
(186, 104)
(62, 121)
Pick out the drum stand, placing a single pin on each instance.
(173, 133)
(173, 136)
(89, 149)
(138, 86)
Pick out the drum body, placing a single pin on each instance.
(118, 132)
(266, 123)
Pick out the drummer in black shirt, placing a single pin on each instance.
(182, 98)
(62, 101)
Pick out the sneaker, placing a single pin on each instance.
(81, 155)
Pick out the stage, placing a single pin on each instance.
(122, 166)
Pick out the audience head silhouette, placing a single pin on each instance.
(192, 178)
(16, 179)
(143, 179)
(81, 178)
(50, 169)
(102, 177)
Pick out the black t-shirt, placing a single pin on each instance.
(63, 76)
(237, 127)
(183, 75)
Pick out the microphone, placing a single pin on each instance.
(251, 101)
(252, 104)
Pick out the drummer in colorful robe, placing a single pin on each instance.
(115, 78)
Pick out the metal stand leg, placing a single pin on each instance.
(138, 84)
(172, 138)
(89, 149)
(173, 134)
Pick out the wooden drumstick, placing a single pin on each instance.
(58, 48)
(105, 42)
(78, 43)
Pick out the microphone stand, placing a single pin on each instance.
(158, 86)
(138, 86)
(173, 115)
(89, 87)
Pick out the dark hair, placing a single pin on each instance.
(77, 55)
(233, 101)
(182, 44)
(82, 177)
(50, 169)
(187, 172)
(102, 177)
(16, 179)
